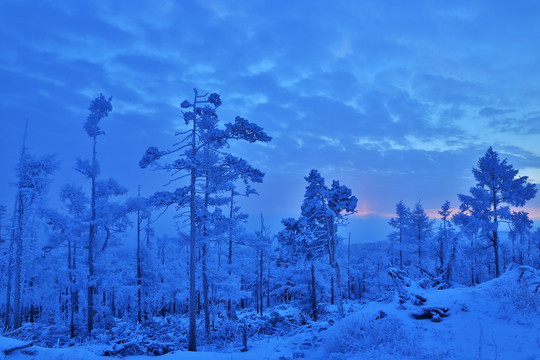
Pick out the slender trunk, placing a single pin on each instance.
(419, 246)
(91, 240)
(231, 214)
(496, 249)
(495, 234)
(313, 294)
(139, 272)
(261, 294)
(75, 290)
(400, 250)
(70, 271)
(473, 262)
(334, 264)
(206, 302)
(441, 255)
(261, 282)
(192, 335)
(268, 287)
(17, 316)
(332, 292)
(9, 280)
(349, 267)
(229, 257)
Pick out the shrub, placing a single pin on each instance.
(361, 334)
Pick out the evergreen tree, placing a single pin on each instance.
(447, 246)
(201, 160)
(68, 228)
(402, 224)
(99, 109)
(32, 180)
(498, 187)
(298, 243)
(421, 228)
(325, 209)
(520, 229)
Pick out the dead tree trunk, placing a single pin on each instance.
(313, 294)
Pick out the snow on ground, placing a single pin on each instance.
(499, 319)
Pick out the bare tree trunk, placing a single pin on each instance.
(9, 281)
(91, 241)
(206, 303)
(71, 291)
(496, 235)
(17, 316)
(349, 267)
(496, 249)
(268, 288)
(229, 257)
(313, 294)
(334, 264)
(400, 251)
(139, 271)
(192, 334)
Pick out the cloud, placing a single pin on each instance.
(492, 112)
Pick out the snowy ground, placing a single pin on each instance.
(499, 319)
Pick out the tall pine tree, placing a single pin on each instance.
(498, 187)
(202, 158)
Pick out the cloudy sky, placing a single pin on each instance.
(395, 99)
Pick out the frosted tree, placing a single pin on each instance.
(447, 242)
(520, 229)
(469, 228)
(33, 177)
(325, 208)
(498, 187)
(99, 109)
(298, 243)
(421, 228)
(201, 149)
(402, 224)
(68, 229)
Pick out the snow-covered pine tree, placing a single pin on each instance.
(298, 244)
(421, 228)
(498, 187)
(402, 225)
(520, 230)
(99, 109)
(326, 208)
(67, 231)
(447, 242)
(202, 155)
(33, 177)
(469, 229)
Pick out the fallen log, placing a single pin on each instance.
(435, 314)
(20, 347)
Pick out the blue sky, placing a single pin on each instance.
(395, 99)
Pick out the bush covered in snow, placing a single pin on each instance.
(360, 333)
(518, 291)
